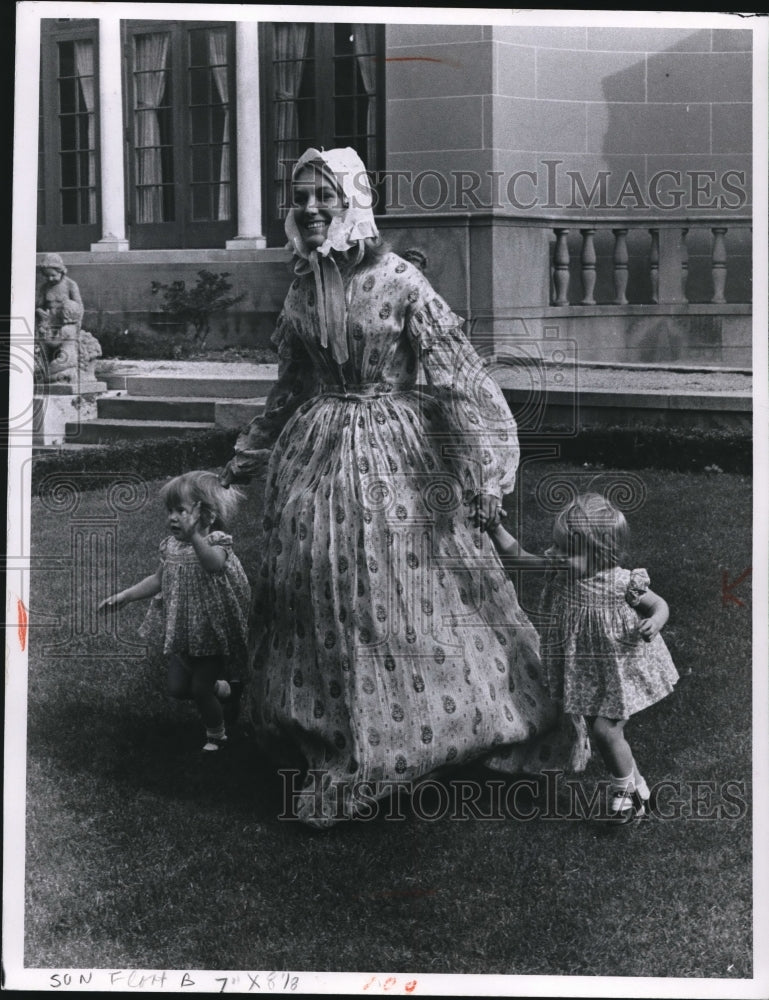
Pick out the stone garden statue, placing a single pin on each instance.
(64, 353)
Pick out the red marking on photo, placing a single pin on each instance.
(21, 617)
(727, 597)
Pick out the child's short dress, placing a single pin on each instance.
(200, 613)
(595, 659)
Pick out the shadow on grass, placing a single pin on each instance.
(159, 755)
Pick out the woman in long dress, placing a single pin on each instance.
(388, 641)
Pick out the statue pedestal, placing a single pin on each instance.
(56, 405)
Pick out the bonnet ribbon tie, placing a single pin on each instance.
(331, 304)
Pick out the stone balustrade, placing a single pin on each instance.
(665, 256)
(625, 288)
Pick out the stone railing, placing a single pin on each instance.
(661, 250)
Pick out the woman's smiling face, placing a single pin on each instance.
(317, 201)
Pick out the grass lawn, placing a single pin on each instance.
(140, 854)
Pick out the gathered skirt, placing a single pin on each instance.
(387, 639)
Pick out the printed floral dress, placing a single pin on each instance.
(390, 639)
(594, 657)
(198, 612)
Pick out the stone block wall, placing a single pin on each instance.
(555, 101)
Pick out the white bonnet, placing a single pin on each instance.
(357, 222)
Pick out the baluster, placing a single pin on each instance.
(561, 268)
(719, 264)
(588, 266)
(654, 264)
(684, 263)
(620, 266)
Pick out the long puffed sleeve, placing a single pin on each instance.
(481, 434)
(296, 383)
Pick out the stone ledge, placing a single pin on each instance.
(740, 402)
(68, 389)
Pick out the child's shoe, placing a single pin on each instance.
(627, 806)
(214, 744)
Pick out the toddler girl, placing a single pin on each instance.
(604, 658)
(200, 598)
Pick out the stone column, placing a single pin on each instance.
(249, 153)
(112, 137)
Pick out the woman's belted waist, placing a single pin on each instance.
(356, 392)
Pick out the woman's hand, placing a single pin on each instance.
(227, 475)
(487, 511)
(245, 465)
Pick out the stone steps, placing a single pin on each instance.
(172, 408)
(171, 405)
(198, 386)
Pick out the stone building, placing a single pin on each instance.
(583, 184)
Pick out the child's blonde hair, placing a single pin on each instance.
(593, 526)
(217, 503)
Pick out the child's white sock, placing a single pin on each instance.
(217, 734)
(622, 785)
(222, 690)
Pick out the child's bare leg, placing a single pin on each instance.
(205, 673)
(615, 750)
(179, 677)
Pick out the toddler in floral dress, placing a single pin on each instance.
(603, 657)
(200, 599)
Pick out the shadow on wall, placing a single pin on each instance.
(674, 339)
(663, 339)
(686, 110)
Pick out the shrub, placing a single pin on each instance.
(151, 459)
(653, 447)
(619, 447)
(196, 305)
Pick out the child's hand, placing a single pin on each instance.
(113, 601)
(648, 628)
(189, 522)
(486, 511)
(556, 559)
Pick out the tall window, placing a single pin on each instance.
(68, 209)
(323, 85)
(180, 92)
